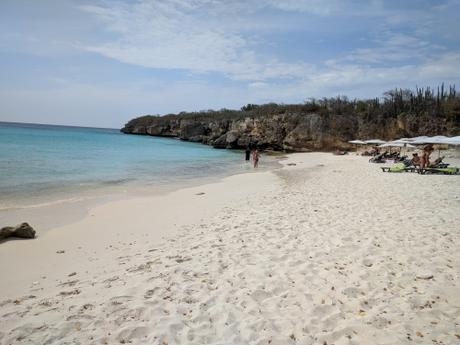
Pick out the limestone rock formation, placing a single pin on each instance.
(291, 127)
(23, 230)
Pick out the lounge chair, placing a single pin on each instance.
(400, 167)
(377, 159)
(340, 153)
(439, 165)
(445, 171)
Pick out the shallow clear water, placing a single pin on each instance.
(43, 162)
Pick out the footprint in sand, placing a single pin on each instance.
(352, 292)
(126, 334)
(149, 293)
(118, 301)
(70, 293)
(368, 262)
(260, 295)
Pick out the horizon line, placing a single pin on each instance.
(52, 124)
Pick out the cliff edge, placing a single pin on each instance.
(316, 125)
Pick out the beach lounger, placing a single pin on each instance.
(400, 167)
(440, 165)
(445, 171)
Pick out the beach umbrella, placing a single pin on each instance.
(358, 142)
(402, 141)
(416, 140)
(408, 147)
(419, 137)
(452, 140)
(447, 141)
(396, 144)
(375, 141)
(438, 139)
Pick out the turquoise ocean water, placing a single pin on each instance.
(43, 163)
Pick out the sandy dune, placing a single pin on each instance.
(329, 251)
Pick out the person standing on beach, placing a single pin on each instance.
(248, 153)
(255, 158)
(425, 159)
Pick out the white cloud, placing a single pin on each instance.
(394, 47)
(446, 66)
(319, 7)
(230, 52)
(172, 35)
(198, 36)
(105, 105)
(358, 80)
(331, 7)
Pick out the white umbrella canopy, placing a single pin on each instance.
(402, 141)
(419, 137)
(358, 142)
(452, 140)
(375, 141)
(438, 139)
(417, 140)
(396, 144)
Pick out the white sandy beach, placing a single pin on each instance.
(327, 251)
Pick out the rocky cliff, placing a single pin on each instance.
(291, 128)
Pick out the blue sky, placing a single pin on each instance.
(101, 62)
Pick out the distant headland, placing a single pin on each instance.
(318, 124)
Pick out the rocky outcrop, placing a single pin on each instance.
(288, 130)
(23, 230)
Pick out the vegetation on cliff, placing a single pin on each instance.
(316, 124)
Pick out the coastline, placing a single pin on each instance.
(90, 227)
(52, 213)
(327, 250)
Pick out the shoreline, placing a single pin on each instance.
(75, 233)
(327, 249)
(47, 215)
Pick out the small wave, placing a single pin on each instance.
(44, 204)
(117, 181)
(98, 183)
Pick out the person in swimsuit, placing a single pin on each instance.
(415, 160)
(255, 158)
(425, 159)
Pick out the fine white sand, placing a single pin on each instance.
(327, 251)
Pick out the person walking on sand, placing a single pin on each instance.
(255, 158)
